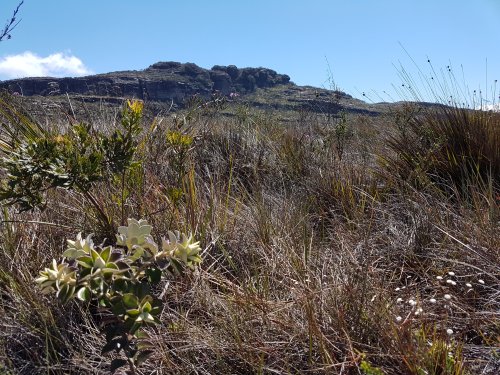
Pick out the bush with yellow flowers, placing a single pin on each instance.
(35, 161)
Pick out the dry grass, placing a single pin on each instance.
(305, 258)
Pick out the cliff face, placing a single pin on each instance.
(163, 81)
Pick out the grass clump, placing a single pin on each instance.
(455, 149)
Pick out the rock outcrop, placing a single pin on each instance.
(168, 85)
(163, 81)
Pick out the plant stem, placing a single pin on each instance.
(102, 215)
(131, 365)
(123, 198)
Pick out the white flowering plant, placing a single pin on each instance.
(119, 279)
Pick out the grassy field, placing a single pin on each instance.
(331, 244)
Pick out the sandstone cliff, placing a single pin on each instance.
(163, 81)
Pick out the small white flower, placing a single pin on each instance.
(468, 285)
(399, 300)
(398, 319)
(481, 281)
(447, 296)
(439, 277)
(419, 311)
(397, 289)
(449, 281)
(449, 331)
(451, 273)
(412, 302)
(432, 300)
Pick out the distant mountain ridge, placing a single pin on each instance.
(163, 81)
(168, 85)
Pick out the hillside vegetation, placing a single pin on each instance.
(329, 243)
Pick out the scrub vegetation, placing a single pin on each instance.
(321, 244)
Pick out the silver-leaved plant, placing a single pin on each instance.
(118, 279)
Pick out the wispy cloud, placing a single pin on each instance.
(29, 64)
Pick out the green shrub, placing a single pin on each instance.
(36, 161)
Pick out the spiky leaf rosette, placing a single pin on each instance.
(183, 248)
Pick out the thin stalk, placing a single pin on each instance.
(102, 215)
(123, 198)
(131, 365)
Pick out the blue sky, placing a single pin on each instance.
(360, 39)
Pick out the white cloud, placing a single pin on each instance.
(29, 64)
(489, 107)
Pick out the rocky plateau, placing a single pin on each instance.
(170, 84)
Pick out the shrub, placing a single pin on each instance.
(36, 161)
(119, 280)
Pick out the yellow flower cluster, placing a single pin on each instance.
(136, 106)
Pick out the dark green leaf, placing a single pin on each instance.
(133, 312)
(84, 294)
(143, 290)
(105, 253)
(135, 326)
(94, 254)
(153, 275)
(65, 293)
(117, 363)
(130, 300)
(112, 345)
(114, 256)
(118, 308)
(121, 285)
(86, 262)
(155, 310)
(122, 265)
